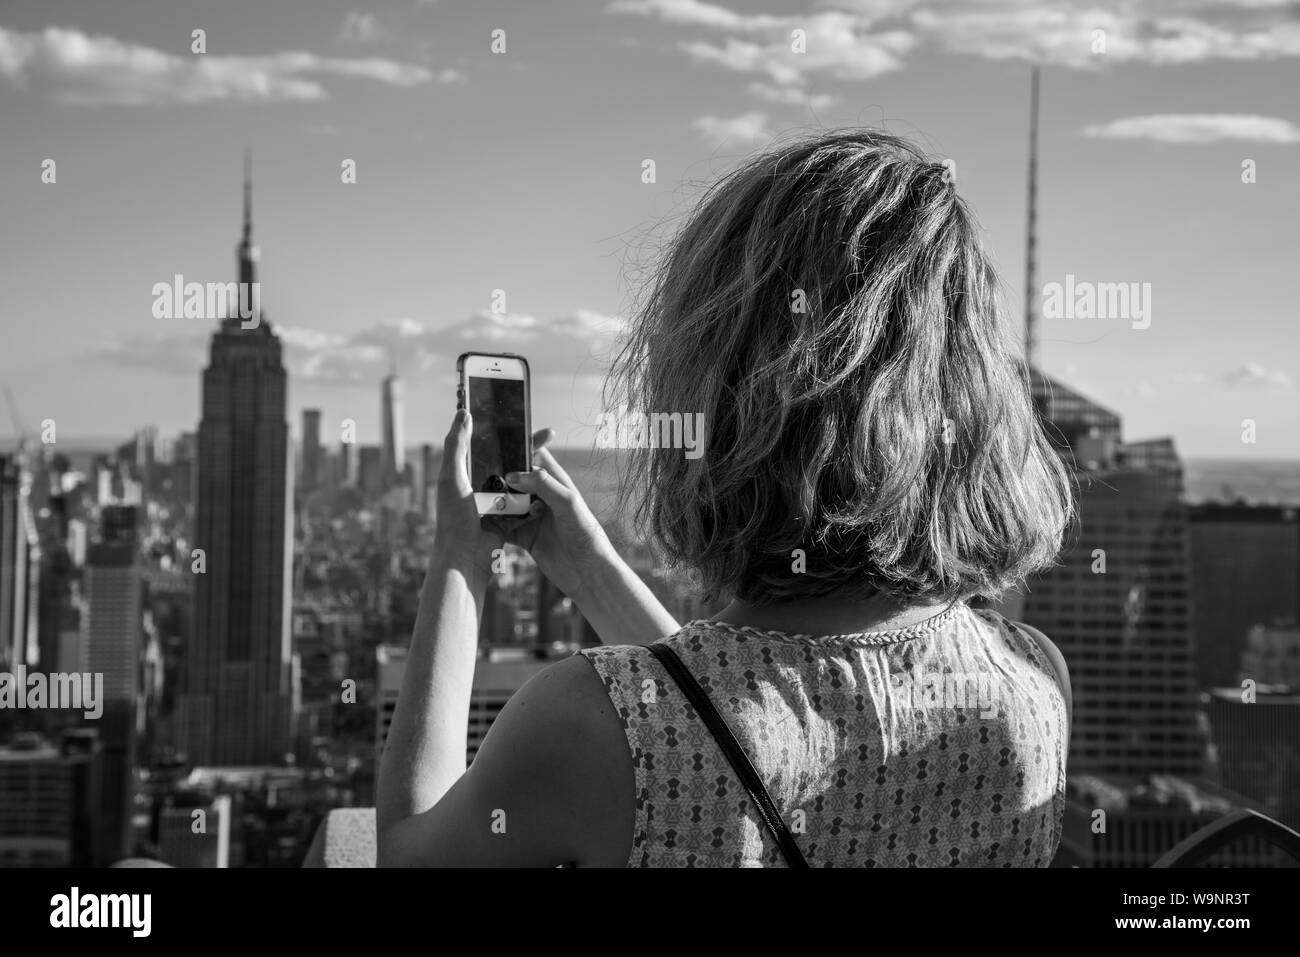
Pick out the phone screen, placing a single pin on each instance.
(498, 443)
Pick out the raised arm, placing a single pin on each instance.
(574, 552)
(552, 782)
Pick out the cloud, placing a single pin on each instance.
(1197, 128)
(172, 353)
(837, 44)
(791, 96)
(577, 344)
(1156, 32)
(734, 130)
(360, 28)
(696, 14)
(1253, 375)
(84, 70)
(858, 40)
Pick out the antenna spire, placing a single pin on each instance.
(1031, 231)
(248, 252)
(248, 194)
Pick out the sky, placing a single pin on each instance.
(512, 180)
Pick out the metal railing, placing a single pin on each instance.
(1197, 848)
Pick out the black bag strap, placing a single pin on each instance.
(735, 754)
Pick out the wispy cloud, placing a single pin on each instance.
(1254, 375)
(578, 343)
(791, 96)
(863, 39)
(563, 346)
(175, 353)
(745, 129)
(361, 27)
(85, 70)
(1197, 128)
(831, 43)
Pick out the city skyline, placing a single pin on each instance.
(246, 573)
(237, 704)
(1142, 144)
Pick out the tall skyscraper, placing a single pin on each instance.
(19, 568)
(48, 802)
(347, 464)
(1245, 572)
(1118, 605)
(312, 453)
(427, 476)
(112, 630)
(237, 708)
(56, 608)
(370, 470)
(394, 438)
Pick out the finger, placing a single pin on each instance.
(546, 460)
(493, 535)
(542, 484)
(497, 526)
(494, 523)
(508, 523)
(541, 437)
(519, 530)
(455, 453)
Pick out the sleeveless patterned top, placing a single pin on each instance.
(939, 745)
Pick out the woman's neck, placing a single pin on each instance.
(830, 615)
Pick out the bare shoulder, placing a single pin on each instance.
(552, 784)
(560, 741)
(1057, 660)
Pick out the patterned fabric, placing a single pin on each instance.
(940, 745)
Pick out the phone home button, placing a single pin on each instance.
(500, 503)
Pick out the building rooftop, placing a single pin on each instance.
(1126, 793)
(1264, 694)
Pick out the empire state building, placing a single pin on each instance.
(237, 705)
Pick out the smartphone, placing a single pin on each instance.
(495, 389)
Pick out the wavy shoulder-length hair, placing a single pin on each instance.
(830, 311)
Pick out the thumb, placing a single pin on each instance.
(542, 484)
(455, 454)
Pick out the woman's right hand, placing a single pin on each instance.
(560, 532)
